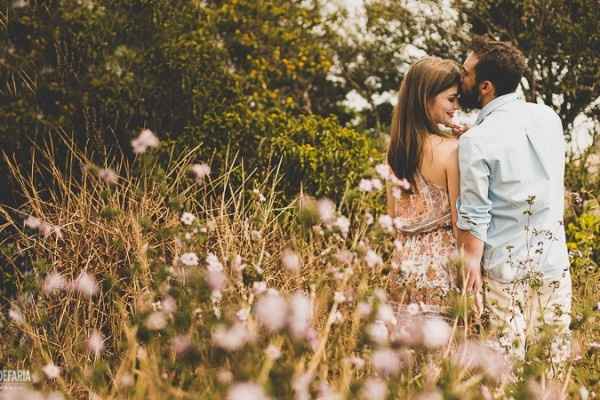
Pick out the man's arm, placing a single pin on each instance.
(473, 209)
(472, 249)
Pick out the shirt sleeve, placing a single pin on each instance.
(473, 204)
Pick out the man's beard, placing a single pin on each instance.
(469, 99)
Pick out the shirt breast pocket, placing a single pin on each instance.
(513, 169)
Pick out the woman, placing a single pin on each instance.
(423, 155)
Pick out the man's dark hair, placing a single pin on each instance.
(499, 62)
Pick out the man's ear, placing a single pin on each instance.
(487, 89)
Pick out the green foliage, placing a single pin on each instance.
(322, 156)
(583, 242)
(222, 75)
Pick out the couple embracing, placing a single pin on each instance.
(494, 192)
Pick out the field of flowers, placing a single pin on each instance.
(173, 283)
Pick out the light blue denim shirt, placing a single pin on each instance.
(512, 188)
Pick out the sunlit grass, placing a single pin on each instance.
(164, 327)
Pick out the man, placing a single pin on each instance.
(511, 203)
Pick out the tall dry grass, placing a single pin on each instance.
(170, 330)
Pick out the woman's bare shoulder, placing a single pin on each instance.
(448, 148)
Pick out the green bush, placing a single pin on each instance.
(583, 242)
(322, 156)
(201, 73)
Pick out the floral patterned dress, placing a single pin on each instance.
(425, 276)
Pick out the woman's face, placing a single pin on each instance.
(444, 105)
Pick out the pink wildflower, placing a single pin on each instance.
(200, 171)
(146, 139)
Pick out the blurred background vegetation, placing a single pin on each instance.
(271, 81)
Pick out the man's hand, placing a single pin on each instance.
(457, 129)
(473, 281)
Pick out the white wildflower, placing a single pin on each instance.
(436, 333)
(374, 389)
(259, 287)
(213, 263)
(344, 257)
(413, 308)
(168, 305)
(246, 391)
(584, 393)
(273, 352)
(398, 245)
(300, 315)
(200, 171)
(46, 229)
(224, 376)
(326, 210)
(141, 354)
(339, 297)
(51, 370)
(216, 280)
(231, 339)
(126, 380)
(243, 313)
(237, 264)
(386, 223)
(377, 184)
(20, 3)
(380, 294)
(337, 317)
(188, 218)
(386, 362)
(190, 259)
(16, 315)
(32, 222)
(85, 284)
(108, 175)
(404, 184)
(300, 385)
(384, 171)
(396, 193)
(343, 225)
(356, 361)
(52, 396)
(430, 395)
(326, 392)
(156, 321)
(478, 355)
(181, 344)
(95, 343)
(365, 185)
(271, 311)
(261, 198)
(373, 259)
(378, 332)
(145, 139)
(291, 260)
(363, 309)
(53, 282)
(385, 313)
(368, 218)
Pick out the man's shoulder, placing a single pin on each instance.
(537, 107)
(474, 133)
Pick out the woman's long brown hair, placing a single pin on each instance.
(411, 121)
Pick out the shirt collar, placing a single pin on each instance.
(495, 104)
